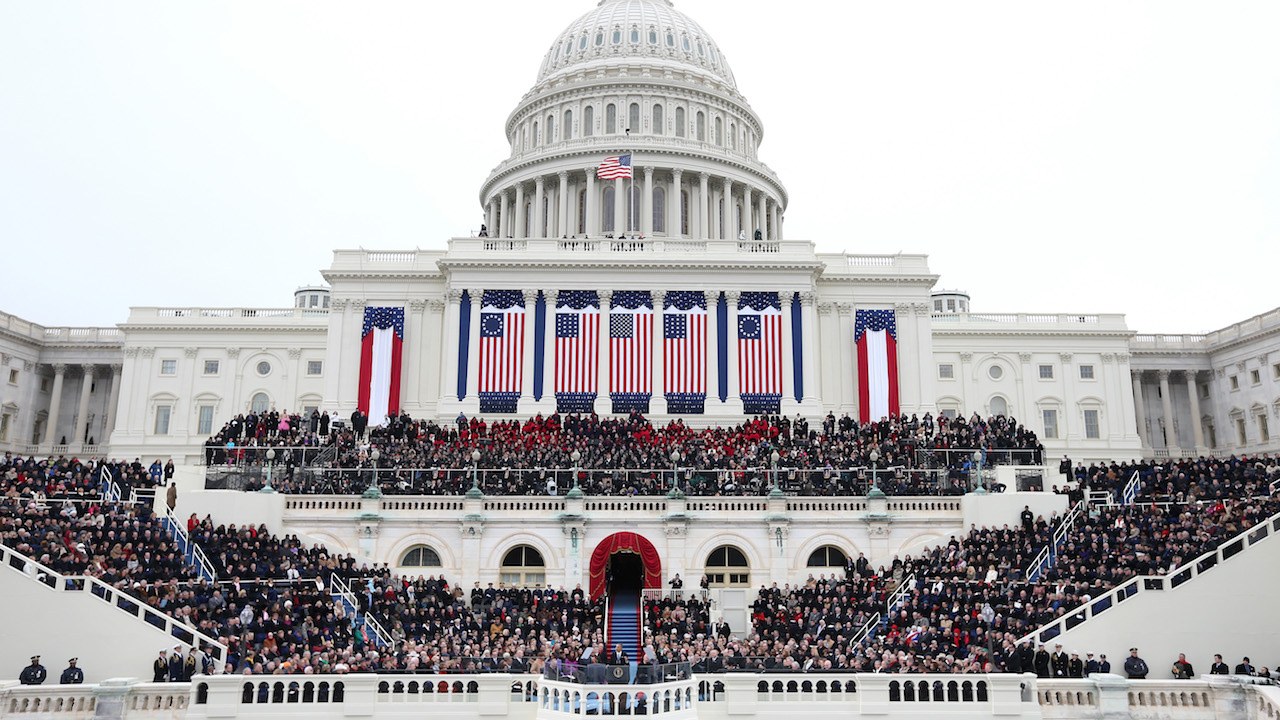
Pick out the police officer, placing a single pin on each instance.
(72, 675)
(1134, 666)
(33, 674)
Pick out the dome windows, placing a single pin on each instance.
(701, 127)
(566, 128)
(635, 36)
(680, 129)
(700, 52)
(611, 119)
(617, 36)
(671, 39)
(633, 118)
(568, 47)
(657, 120)
(588, 121)
(653, 36)
(582, 42)
(599, 38)
(684, 41)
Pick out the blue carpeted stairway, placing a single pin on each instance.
(624, 623)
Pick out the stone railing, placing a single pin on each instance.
(60, 335)
(140, 314)
(771, 696)
(461, 248)
(1085, 322)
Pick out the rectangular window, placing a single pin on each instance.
(1235, 382)
(13, 376)
(1264, 430)
(1091, 428)
(1204, 391)
(204, 425)
(211, 367)
(168, 367)
(315, 367)
(1086, 372)
(44, 385)
(946, 371)
(949, 413)
(1051, 424)
(1255, 377)
(1046, 372)
(162, 419)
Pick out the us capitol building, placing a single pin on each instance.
(698, 233)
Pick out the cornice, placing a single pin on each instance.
(592, 263)
(190, 327)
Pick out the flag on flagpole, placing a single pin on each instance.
(631, 351)
(684, 351)
(502, 336)
(614, 167)
(381, 341)
(577, 350)
(760, 352)
(875, 336)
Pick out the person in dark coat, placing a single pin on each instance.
(33, 674)
(175, 664)
(1091, 666)
(1182, 669)
(1041, 663)
(72, 675)
(1075, 666)
(189, 666)
(324, 423)
(1104, 665)
(1219, 667)
(160, 668)
(1026, 657)
(1245, 668)
(1028, 519)
(1135, 667)
(1059, 662)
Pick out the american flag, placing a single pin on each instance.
(614, 167)
(502, 328)
(577, 341)
(875, 339)
(631, 343)
(381, 343)
(760, 343)
(684, 344)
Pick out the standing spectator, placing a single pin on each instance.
(175, 664)
(1075, 668)
(1091, 666)
(1059, 662)
(171, 496)
(1104, 666)
(1245, 667)
(33, 674)
(1041, 663)
(156, 473)
(676, 583)
(1135, 667)
(189, 666)
(1182, 669)
(1219, 667)
(1028, 519)
(168, 472)
(160, 668)
(72, 675)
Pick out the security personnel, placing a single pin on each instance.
(72, 675)
(33, 674)
(160, 668)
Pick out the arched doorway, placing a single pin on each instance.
(629, 560)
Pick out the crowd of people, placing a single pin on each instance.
(626, 456)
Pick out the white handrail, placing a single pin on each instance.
(1131, 489)
(865, 631)
(137, 608)
(1049, 554)
(190, 547)
(1175, 577)
(340, 587)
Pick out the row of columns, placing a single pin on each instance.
(506, 216)
(1166, 407)
(79, 426)
(452, 327)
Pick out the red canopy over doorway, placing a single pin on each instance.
(618, 543)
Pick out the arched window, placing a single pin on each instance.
(535, 133)
(733, 136)
(551, 129)
(260, 403)
(568, 48)
(658, 123)
(606, 209)
(420, 556)
(566, 128)
(523, 566)
(684, 42)
(999, 406)
(719, 131)
(680, 129)
(671, 39)
(700, 122)
(653, 36)
(599, 38)
(635, 35)
(728, 567)
(827, 556)
(633, 118)
(610, 119)
(588, 121)
(617, 36)
(659, 210)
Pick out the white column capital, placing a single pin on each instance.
(731, 297)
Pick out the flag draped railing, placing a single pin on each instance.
(759, 336)
(684, 351)
(577, 351)
(502, 339)
(631, 351)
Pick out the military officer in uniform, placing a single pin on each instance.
(72, 675)
(160, 668)
(33, 674)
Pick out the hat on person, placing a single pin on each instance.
(72, 661)
(1133, 649)
(35, 658)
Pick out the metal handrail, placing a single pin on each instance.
(340, 587)
(190, 547)
(1131, 489)
(1049, 553)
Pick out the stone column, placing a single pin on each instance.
(809, 352)
(55, 402)
(449, 342)
(593, 222)
(762, 216)
(776, 218)
(747, 225)
(848, 373)
(413, 351)
(549, 348)
(491, 212)
(518, 217)
(788, 364)
(1197, 432)
(620, 207)
(1166, 405)
(658, 399)
(713, 349)
(505, 228)
(733, 395)
(646, 202)
(539, 217)
(526, 358)
(675, 207)
(473, 347)
(82, 410)
(563, 225)
(701, 230)
(727, 230)
(603, 403)
(113, 404)
(1139, 407)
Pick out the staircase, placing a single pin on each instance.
(191, 552)
(624, 623)
(373, 630)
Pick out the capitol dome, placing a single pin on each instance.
(652, 30)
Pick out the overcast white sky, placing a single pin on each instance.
(1075, 156)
